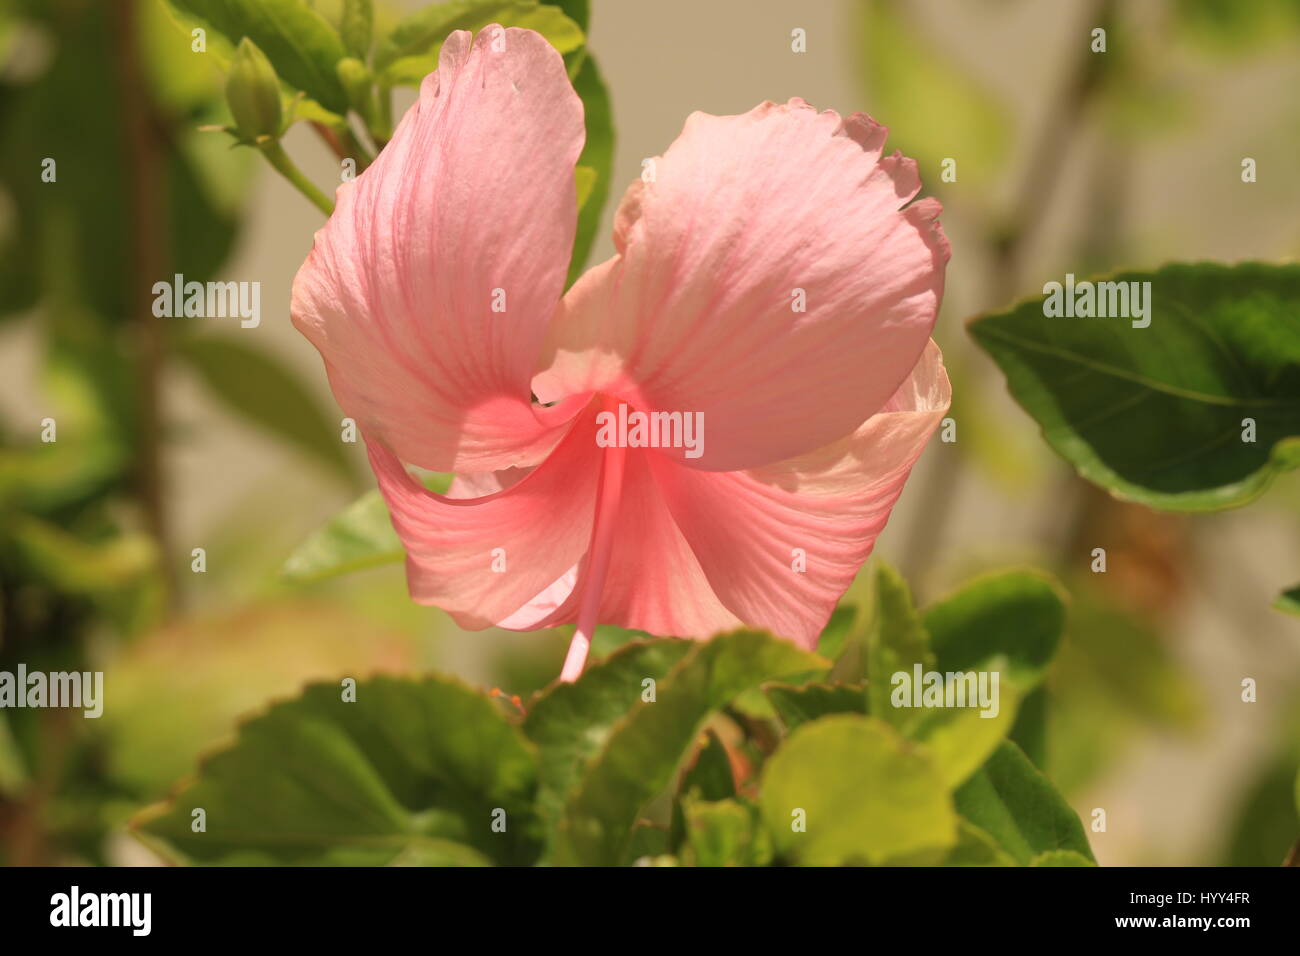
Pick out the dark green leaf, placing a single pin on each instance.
(1018, 806)
(1289, 600)
(1161, 415)
(710, 777)
(403, 774)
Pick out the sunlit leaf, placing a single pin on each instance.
(849, 789)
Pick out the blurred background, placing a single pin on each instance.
(184, 434)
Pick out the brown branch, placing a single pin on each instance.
(1055, 140)
(145, 171)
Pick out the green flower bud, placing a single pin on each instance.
(253, 93)
(355, 78)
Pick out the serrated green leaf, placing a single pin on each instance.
(394, 776)
(797, 705)
(642, 754)
(1160, 415)
(866, 796)
(896, 642)
(571, 722)
(1018, 806)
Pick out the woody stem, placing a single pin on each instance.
(602, 540)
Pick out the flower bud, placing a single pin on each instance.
(355, 78)
(253, 93)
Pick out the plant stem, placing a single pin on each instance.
(145, 169)
(278, 158)
(1055, 140)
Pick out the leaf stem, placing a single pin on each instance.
(278, 158)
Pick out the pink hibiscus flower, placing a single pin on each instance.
(772, 285)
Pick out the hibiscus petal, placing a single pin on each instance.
(480, 559)
(698, 312)
(653, 582)
(750, 530)
(471, 206)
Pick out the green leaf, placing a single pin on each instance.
(584, 180)
(642, 754)
(1062, 858)
(976, 848)
(724, 833)
(1018, 615)
(410, 51)
(1289, 600)
(571, 722)
(579, 11)
(866, 796)
(76, 566)
(356, 26)
(960, 739)
(597, 155)
(411, 771)
(896, 642)
(1159, 415)
(1018, 806)
(1030, 730)
(949, 112)
(299, 42)
(797, 705)
(268, 394)
(710, 776)
(834, 637)
(359, 536)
